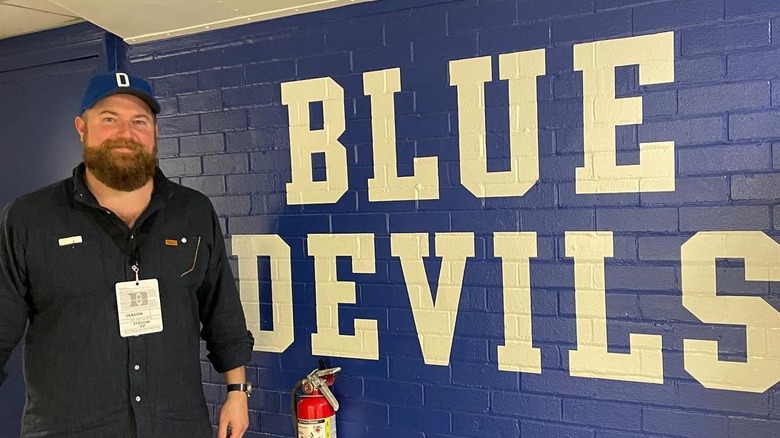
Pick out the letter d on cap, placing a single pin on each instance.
(122, 80)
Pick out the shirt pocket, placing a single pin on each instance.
(183, 271)
(183, 259)
(69, 270)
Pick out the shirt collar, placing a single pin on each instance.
(163, 187)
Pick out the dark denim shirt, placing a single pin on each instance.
(82, 378)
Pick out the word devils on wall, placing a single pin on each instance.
(435, 320)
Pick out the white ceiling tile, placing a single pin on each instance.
(41, 5)
(140, 21)
(19, 21)
(147, 20)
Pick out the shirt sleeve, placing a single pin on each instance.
(14, 310)
(224, 326)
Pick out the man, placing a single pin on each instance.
(119, 273)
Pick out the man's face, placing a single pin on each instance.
(119, 135)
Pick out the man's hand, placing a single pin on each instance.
(234, 414)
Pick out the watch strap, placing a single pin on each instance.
(244, 387)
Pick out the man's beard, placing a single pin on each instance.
(123, 171)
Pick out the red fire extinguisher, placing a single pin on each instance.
(314, 412)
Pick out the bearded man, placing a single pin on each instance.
(120, 273)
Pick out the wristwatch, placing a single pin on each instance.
(246, 387)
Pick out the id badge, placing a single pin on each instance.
(139, 308)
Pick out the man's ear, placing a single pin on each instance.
(81, 127)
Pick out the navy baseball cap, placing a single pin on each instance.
(106, 84)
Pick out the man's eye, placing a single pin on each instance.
(140, 122)
(109, 119)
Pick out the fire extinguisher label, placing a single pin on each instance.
(317, 428)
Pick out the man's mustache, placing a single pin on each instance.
(116, 144)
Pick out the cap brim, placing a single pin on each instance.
(149, 100)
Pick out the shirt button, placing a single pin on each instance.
(138, 398)
(137, 367)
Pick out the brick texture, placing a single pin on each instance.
(224, 130)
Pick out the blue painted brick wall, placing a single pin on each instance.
(224, 131)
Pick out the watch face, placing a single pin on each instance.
(248, 388)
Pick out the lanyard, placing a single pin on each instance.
(129, 244)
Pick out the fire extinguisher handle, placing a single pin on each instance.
(326, 372)
(329, 397)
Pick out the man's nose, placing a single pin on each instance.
(124, 130)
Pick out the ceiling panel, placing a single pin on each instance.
(40, 5)
(146, 20)
(20, 20)
(138, 21)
